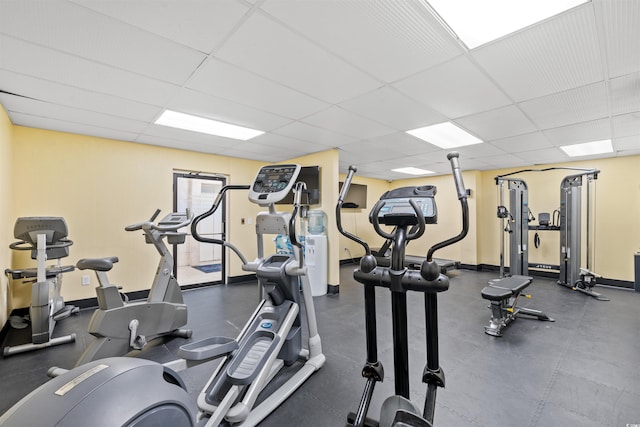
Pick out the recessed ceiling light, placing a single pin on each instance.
(445, 135)
(413, 171)
(588, 148)
(478, 22)
(200, 124)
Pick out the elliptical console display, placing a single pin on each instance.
(273, 183)
(397, 207)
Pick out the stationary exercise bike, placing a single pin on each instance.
(46, 238)
(119, 326)
(136, 392)
(402, 208)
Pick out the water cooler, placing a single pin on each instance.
(315, 253)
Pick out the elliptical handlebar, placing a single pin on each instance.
(375, 220)
(214, 207)
(343, 193)
(299, 188)
(297, 197)
(462, 196)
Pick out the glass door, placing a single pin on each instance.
(199, 263)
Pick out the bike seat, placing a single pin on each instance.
(97, 264)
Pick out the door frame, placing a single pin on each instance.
(177, 174)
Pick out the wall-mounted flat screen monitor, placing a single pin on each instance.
(310, 175)
(356, 198)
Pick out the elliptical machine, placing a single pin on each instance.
(46, 238)
(402, 208)
(123, 391)
(119, 326)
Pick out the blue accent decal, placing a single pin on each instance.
(267, 325)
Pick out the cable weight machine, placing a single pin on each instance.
(516, 224)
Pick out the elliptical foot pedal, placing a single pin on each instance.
(251, 357)
(208, 348)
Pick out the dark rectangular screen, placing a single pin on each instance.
(310, 175)
(356, 198)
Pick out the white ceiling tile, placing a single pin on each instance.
(499, 123)
(544, 156)
(476, 151)
(98, 38)
(626, 124)
(390, 146)
(48, 110)
(203, 105)
(273, 51)
(456, 88)
(284, 142)
(502, 162)
(71, 96)
(229, 82)
(527, 142)
(267, 151)
(29, 59)
(166, 132)
(21, 119)
(628, 145)
(389, 107)
(341, 121)
(625, 93)
(555, 55)
(581, 132)
(314, 134)
(620, 32)
(568, 107)
(404, 33)
(201, 25)
(181, 144)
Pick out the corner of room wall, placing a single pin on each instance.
(6, 213)
(617, 204)
(329, 162)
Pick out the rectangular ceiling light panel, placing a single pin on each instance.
(200, 124)
(588, 148)
(478, 22)
(445, 135)
(412, 171)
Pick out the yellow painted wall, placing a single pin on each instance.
(329, 163)
(449, 224)
(449, 218)
(356, 221)
(617, 209)
(6, 209)
(99, 186)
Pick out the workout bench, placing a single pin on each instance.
(503, 295)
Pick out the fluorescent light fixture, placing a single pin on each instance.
(588, 148)
(478, 22)
(413, 171)
(200, 124)
(445, 135)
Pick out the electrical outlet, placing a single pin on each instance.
(86, 280)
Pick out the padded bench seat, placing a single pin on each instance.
(505, 288)
(504, 295)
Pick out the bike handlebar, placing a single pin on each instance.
(162, 228)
